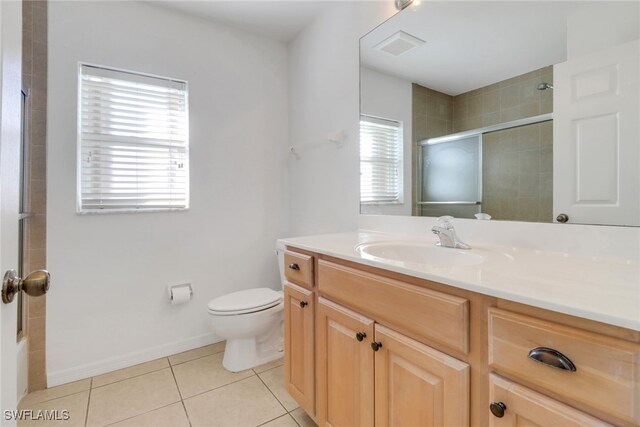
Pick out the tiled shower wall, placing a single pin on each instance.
(517, 163)
(34, 78)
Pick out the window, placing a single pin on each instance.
(380, 160)
(133, 142)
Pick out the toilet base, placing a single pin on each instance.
(241, 354)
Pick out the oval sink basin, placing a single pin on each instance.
(419, 253)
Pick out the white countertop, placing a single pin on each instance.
(597, 288)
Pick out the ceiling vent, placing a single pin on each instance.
(399, 43)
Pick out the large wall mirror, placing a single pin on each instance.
(503, 110)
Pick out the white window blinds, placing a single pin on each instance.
(380, 160)
(133, 149)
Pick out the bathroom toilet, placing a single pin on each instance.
(251, 321)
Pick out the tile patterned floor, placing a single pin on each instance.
(183, 390)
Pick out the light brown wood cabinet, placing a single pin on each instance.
(362, 365)
(523, 407)
(445, 357)
(299, 335)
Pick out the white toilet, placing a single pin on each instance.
(251, 322)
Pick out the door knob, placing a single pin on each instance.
(562, 218)
(376, 345)
(294, 266)
(360, 336)
(34, 285)
(303, 304)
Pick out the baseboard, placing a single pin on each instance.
(111, 364)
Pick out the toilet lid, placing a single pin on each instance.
(245, 301)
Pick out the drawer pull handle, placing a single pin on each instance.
(497, 409)
(552, 358)
(294, 266)
(376, 345)
(360, 336)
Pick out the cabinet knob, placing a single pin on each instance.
(562, 218)
(497, 409)
(376, 345)
(294, 266)
(360, 336)
(303, 304)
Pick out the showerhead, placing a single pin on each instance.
(544, 86)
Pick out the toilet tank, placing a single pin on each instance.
(280, 247)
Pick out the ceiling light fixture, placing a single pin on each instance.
(401, 4)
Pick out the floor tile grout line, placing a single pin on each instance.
(129, 378)
(184, 407)
(273, 394)
(191, 360)
(143, 413)
(86, 414)
(273, 419)
(216, 388)
(59, 397)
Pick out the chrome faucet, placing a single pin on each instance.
(447, 234)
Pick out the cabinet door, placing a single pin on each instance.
(417, 385)
(523, 407)
(345, 367)
(299, 345)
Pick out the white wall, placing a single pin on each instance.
(388, 97)
(108, 306)
(324, 98)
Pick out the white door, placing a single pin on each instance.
(10, 121)
(596, 137)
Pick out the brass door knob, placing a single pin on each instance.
(34, 285)
(562, 218)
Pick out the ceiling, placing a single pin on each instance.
(277, 20)
(472, 44)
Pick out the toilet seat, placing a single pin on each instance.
(244, 302)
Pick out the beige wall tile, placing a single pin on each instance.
(509, 97)
(197, 353)
(132, 397)
(206, 373)
(130, 372)
(475, 106)
(37, 305)
(173, 415)
(228, 406)
(37, 333)
(37, 365)
(37, 230)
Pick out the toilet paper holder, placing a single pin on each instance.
(171, 288)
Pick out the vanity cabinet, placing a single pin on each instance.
(299, 335)
(369, 375)
(388, 349)
(515, 406)
(344, 367)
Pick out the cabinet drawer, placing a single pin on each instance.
(412, 309)
(606, 369)
(526, 407)
(298, 268)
